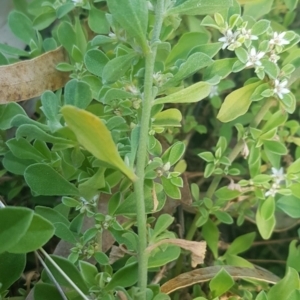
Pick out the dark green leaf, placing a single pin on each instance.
(78, 93)
(14, 222)
(38, 234)
(11, 268)
(44, 180)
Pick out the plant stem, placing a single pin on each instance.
(232, 156)
(142, 152)
(62, 273)
(60, 290)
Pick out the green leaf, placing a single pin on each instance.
(275, 147)
(22, 27)
(125, 277)
(171, 190)
(210, 233)
(187, 41)
(21, 148)
(95, 61)
(285, 286)
(196, 7)
(51, 215)
(38, 234)
(194, 63)
(234, 260)
(257, 9)
(169, 117)
(221, 283)
(237, 103)
(14, 222)
(78, 93)
(69, 269)
(46, 291)
(66, 36)
(117, 67)
(132, 15)
(278, 118)
(223, 217)
(191, 94)
(8, 112)
(174, 153)
(163, 256)
(15, 165)
(44, 20)
(260, 27)
(44, 180)
(241, 244)
(265, 227)
(11, 269)
(221, 67)
(13, 51)
(33, 132)
(50, 108)
(293, 259)
(294, 167)
(290, 205)
(88, 272)
(97, 21)
(95, 137)
(162, 223)
(225, 193)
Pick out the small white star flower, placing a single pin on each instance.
(278, 39)
(229, 38)
(254, 58)
(214, 91)
(278, 175)
(246, 33)
(280, 88)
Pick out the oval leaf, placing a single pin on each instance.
(133, 17)
(12, 266)
(191, 94)
(38, 234)
(44, 180)
(95, 137)
(237, 103)
(14, 222)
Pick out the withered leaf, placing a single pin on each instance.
(206, 274)
(197, 249)
(30, 78)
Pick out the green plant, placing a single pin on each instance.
(106, 157)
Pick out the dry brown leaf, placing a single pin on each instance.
(206, 274)
(198, 249)
(30, 78)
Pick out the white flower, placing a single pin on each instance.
(280, 88)
(213, 91)
(1, 204)
(278, 39)
(272, 191)
(229, 38)
(278, 175)
(246, 33)
(274, 58)
(254, 58)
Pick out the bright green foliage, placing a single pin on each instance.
(198, 97)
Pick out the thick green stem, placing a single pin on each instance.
(142, 151)
(232, 156)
